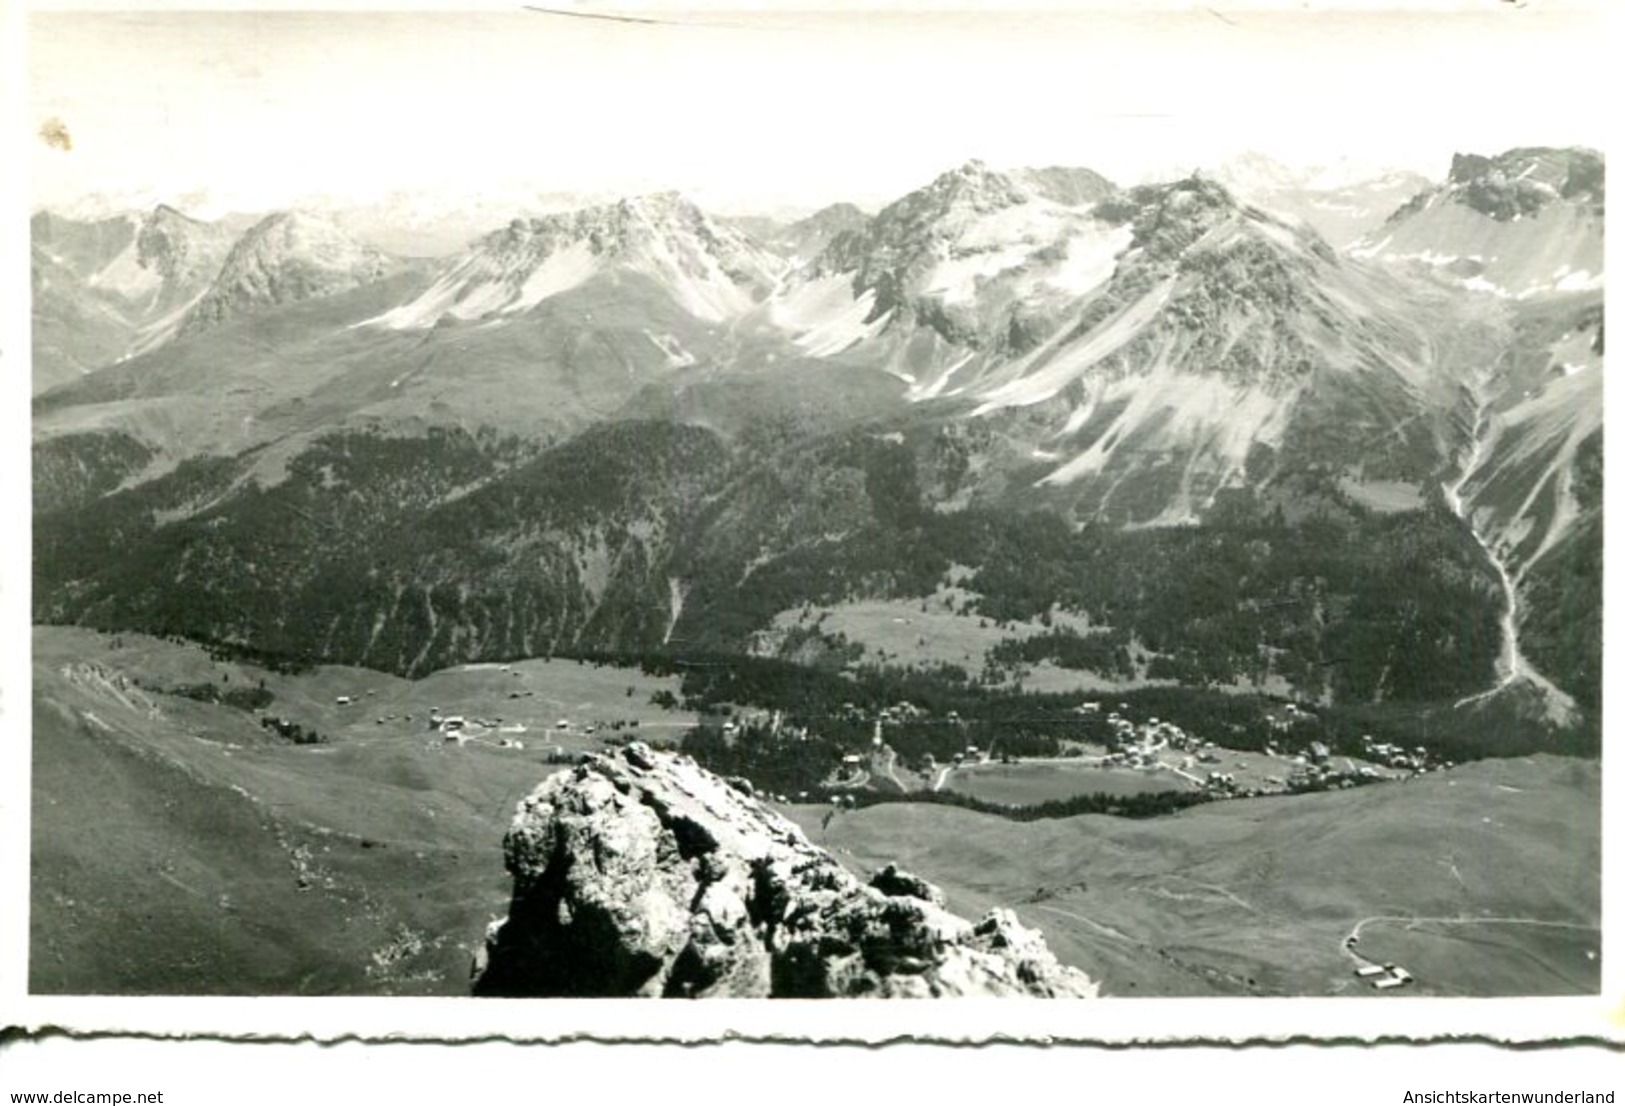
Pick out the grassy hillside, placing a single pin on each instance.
(1257, 897)
(179, 847)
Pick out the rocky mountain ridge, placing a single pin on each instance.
(1521, 181)
(1524, 223)
(640, 874)
(710, 269)
(110, 289)
(1160, 358)
(967, 253)
(285, 258)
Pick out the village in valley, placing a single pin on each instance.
(1107, 750)
(1122, 756)
(1119, 755)
(484, 733)
(1132, 755)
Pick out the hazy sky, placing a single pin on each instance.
(741, 111)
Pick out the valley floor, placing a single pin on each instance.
(1482, 880)
(180, 847)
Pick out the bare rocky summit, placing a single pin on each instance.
(285, 258)
(642, 874)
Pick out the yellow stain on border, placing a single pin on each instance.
(55, 134)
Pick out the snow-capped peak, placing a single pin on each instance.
(712, 271)
(978, 257)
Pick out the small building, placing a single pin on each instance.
(342, 700)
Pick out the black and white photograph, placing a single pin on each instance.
(1094, 506)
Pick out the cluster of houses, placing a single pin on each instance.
(1383, 977)
(1289, 717)
(1326, 777)
(1141, 746)
(1397, 756)
(898, 712)
(458, 728)
(1137, 746)
(770, 720)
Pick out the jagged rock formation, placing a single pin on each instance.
(642, 874)
(959, 254)
(285, 258)
(186, 252)
(810, 236)
(111, 289)
(1525, 223)
(1522, 181)
(712, 271)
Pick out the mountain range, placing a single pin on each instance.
(1250, 437)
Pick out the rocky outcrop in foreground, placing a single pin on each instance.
(642, 874)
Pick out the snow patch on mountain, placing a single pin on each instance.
(125, 276)
(935, 388)
(974, 254)
(1090, 261)
(1217, 421)
(1341, 200)
(1532, 446)
(710, 270)
(1017, 388)
(1527, 222)
(569, 268)
(676, 356)
(824, 317)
